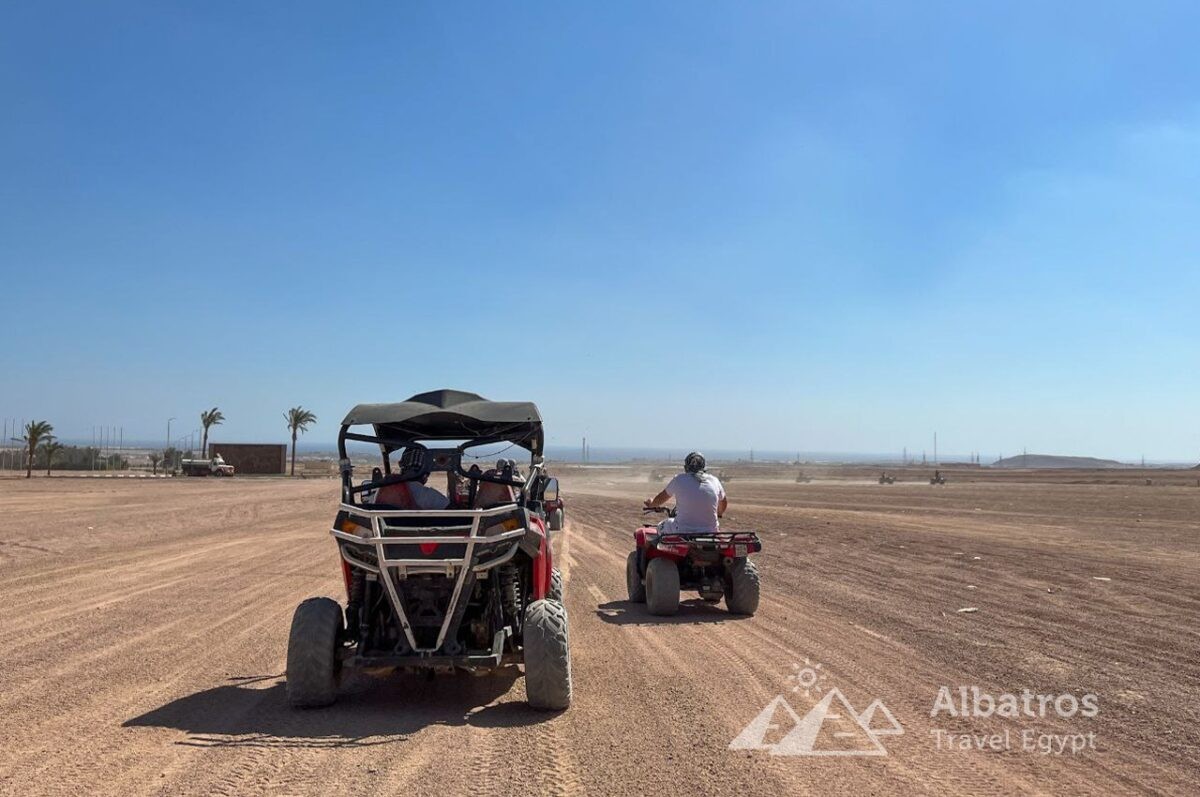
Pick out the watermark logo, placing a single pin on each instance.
(832, 727)
(972, 703)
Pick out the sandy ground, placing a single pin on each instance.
(144, 628)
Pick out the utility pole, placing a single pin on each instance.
(935, 459)
(904, 456)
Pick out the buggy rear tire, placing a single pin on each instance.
(312, 656)
(662, 587)
(555, 593)
(547, 656)
(633, 579)
(741, 593)
(556, 520)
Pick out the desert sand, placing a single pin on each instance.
(145, 625)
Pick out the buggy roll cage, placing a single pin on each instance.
(445, 415)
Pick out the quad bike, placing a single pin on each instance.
(885, 478)
(937, 478)
(715, 564)
(467, 587)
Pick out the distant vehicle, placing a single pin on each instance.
(887, 478)
(938, 478)
(206, 467)
(553, 506)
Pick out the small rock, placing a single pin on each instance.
(968, 610)
(970, 586)
(976, 558)
(1101, 578)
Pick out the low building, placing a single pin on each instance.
(252, 458)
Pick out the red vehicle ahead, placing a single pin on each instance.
(715, 564)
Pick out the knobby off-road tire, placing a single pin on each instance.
(555, 592)
(556, 520)
(312, 661)
(662, 587)
(547, 656)
(741, 593)
(633, 579)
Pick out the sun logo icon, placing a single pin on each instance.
(806, 678)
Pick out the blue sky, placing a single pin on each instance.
(791, 226)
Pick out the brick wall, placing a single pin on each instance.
(261, 458)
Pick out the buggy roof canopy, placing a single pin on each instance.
(451, 415)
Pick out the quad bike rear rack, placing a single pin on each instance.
(466, 528)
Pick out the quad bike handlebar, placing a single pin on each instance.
(669, 511)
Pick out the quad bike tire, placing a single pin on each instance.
(547, 656)
(555, 593)
(556, 520)
(662, 587)
(312, 661)
(633, 579)
(741, 593)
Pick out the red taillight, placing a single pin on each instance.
(427, 548)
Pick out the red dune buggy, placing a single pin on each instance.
(461, 580)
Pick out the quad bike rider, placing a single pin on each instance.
(688, 550)
(460, 581)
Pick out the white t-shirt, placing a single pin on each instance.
(696, 502)
(425, 497)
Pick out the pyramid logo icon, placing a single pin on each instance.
(772, 724)
(830, 728)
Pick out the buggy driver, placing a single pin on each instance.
(699, 499)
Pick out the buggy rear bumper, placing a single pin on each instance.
(458, 544)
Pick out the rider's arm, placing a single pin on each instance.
(722, 505)
(659, 499)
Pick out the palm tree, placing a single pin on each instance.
(35, 432)
(51, 448)
(298, 420)
(209, 418)
(155, 457)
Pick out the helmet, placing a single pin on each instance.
(694, 462)
(413, 461)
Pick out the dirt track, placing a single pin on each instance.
(145, 624)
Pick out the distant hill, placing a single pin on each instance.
(1051, 461)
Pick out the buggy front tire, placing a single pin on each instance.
(312, 656)
(741, 592)
(633, 579)
(547, 656)
(662, 586)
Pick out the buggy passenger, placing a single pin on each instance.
(413, 493)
